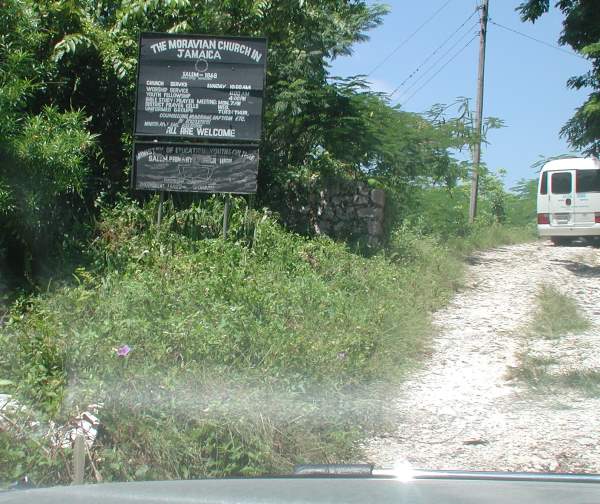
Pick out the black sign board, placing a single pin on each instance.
(195, 168)
(200, 87)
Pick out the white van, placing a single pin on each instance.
(568, 201)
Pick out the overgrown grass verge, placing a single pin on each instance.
(246, 356)
(486, 237)
(537, 372)
(533, 370)
(555, 316)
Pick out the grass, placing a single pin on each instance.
(555, 316)
(485, 237)
(248, 355)
(534, 370)
(587, 381)
(537, 373)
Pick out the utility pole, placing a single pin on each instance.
(479, 111)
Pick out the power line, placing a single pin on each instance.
(435, 63)
(547, 44)
(424, 62)
(407, 39)
(433, 66)
(440, 69)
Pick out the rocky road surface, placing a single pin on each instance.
(462, 410)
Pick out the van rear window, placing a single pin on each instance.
(544, 183)
(587, 181)
(561, 183)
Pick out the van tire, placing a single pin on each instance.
(560, 240)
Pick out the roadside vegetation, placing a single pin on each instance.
(556, 315)
(207, 356)
(306, 329)
(539, 373)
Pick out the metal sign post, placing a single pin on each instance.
(226, 215)
(161, 200)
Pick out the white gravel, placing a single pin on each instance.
(462, 411)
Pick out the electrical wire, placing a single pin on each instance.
(440, 69)
(437, 61)
(407, 39)
(547, 44)
(431, 55)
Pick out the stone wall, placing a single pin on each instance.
(345, 210)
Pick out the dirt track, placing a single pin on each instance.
(462, 410)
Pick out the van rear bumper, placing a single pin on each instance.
(547, 230)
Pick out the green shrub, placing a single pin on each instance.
(311, 333)
(482, 236)
(274, 313)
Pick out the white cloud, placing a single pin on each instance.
(381, 86)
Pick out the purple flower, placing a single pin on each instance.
(123, 351)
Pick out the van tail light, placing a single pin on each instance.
(597, 217)
(544, 218)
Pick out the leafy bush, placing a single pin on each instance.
(266, 314)
(442, 213)
(247, 355)
(522, 204)
(45, 149)
(481, 237)
(303, 328)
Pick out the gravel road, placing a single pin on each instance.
(463, 411)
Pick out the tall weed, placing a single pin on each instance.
(265, 314)
(247, 355)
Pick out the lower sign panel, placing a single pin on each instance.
(195, 168)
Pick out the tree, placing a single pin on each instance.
(581, 31)
(43, 150)
(67, 78)
(96, 48)
(67, 86)
(522, 207)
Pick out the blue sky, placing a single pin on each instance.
(525, 81)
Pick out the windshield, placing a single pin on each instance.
(236, 237)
